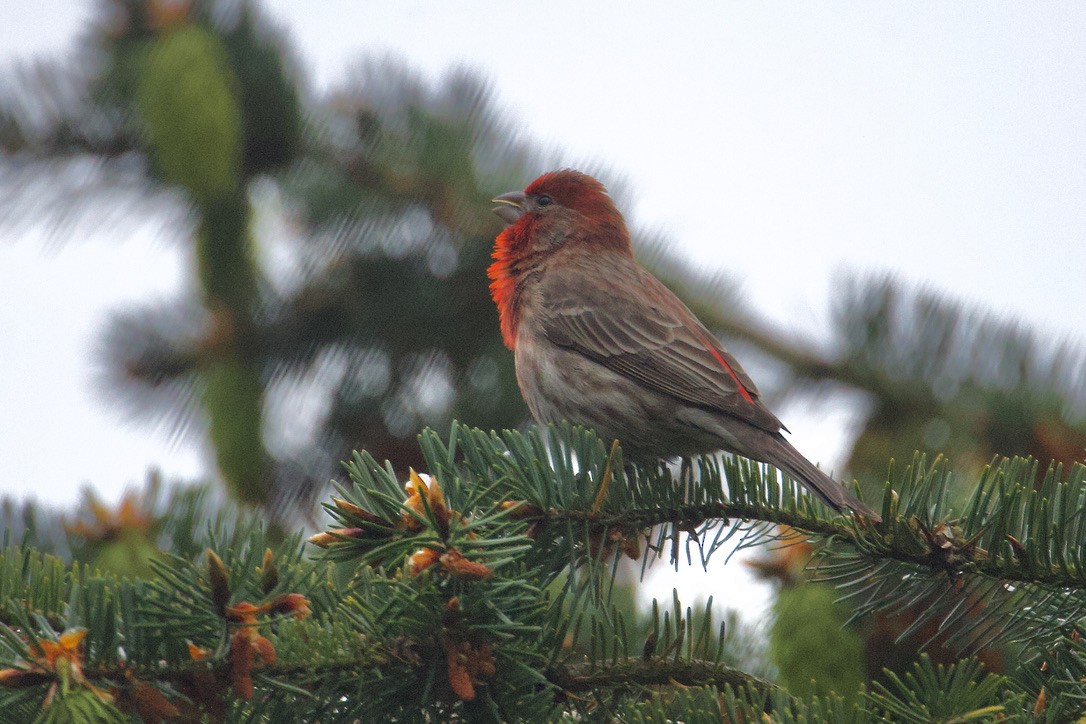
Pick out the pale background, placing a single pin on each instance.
(785, 143)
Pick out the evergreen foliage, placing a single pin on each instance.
(827, 657)
(193, 112)
(384, 184)
(486, 593)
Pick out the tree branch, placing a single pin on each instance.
(899, 540)
(635, 672)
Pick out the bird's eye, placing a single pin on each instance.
(544, 200)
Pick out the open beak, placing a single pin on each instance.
(509, 206)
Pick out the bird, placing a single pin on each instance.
(599, 341)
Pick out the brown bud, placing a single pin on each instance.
(327, 538)
(459, 678)
(650, 646)
(241, 657)
(295, 604)
(219, 577)
(18, 678)
(1040, 705)
(416, 488)
(421, 559)
(147, 700)
(350, 508)
(244, 613)
(520, 509)
(456, 564)
(484, 662)
(354, 511)
(269, 572)
(1018, 548)
(198, 653)
(466, 664)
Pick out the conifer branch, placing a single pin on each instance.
(577, 678)
(904, 541)
(474, 586)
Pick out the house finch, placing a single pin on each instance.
(601, 342)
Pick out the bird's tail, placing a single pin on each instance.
(835, 495)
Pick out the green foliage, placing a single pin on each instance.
(963, 692)
(80, 706)
(159, 516)
(940, 376)
(811, 646)
(49, 575)
(698, 705)
(1003, 568)
(388, 192)
(129, 554)
(233, 398)
(487, 594)
(960, 693)
(387, 187)
(270, 108)
(227, 265)
(187, 100)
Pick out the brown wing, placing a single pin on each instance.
(633, 325)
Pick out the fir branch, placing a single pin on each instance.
(635, 672)
(898, 540)
(1013, 545)
(289, 670)
(449, 608)
(919, 530)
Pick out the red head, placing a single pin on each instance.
(561, 211)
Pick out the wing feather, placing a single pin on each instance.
(633, 325)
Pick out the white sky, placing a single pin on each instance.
(783, 142)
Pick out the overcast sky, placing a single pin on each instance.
(785, 143)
